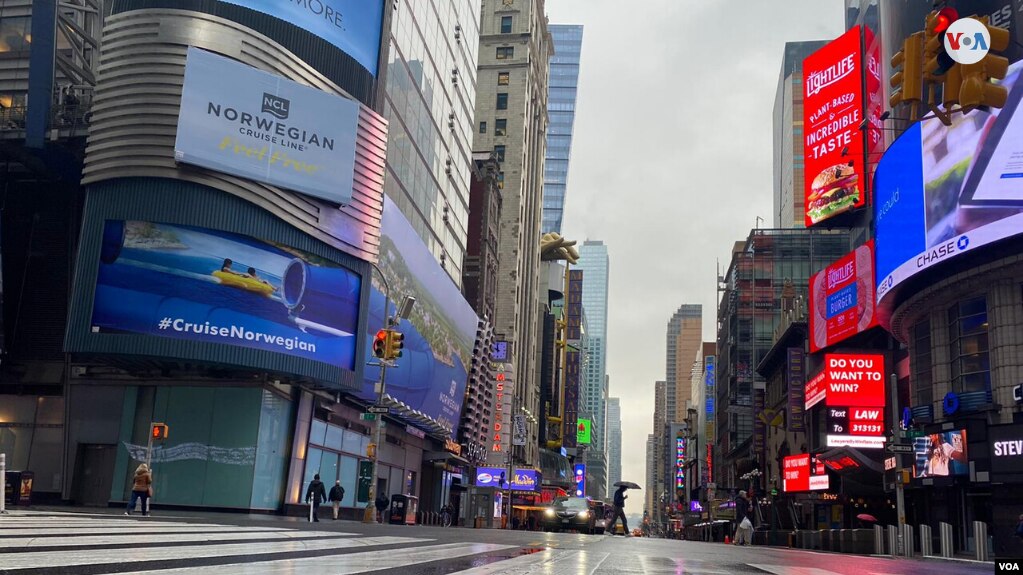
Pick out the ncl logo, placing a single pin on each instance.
(277, 106)
(967, 41)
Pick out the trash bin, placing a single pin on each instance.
(411, 509)
(399, 503)
(18, 487)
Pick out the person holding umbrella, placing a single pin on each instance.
(866, 519)
(619, 505)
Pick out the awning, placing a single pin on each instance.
(444, 456)
(843, 460)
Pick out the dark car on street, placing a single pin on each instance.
(569, 513)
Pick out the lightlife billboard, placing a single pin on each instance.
(242, 121)
(354, 26)
(833, 147)
(217, 287)
(842, 298)
(941, 191)
(798, 475)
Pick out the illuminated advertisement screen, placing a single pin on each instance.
(941, 455)
(521, 479)
(832, 141)
(439, 335)
(842, 298)
(799, 475)
(680, 462)
(242, 121)
(205, 285)
(580, 479)
(354, 26)
(942, 190)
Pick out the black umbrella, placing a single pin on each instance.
(627, 485)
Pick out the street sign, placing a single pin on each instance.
(899, 447)
(378, 409)
(368, 416)
(912, 433)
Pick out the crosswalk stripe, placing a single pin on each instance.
(787, 570)
(23, 542)
(349, 564)
(128, 555)
(50, 531)
(549, 562)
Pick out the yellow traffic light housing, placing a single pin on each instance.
(977, 89)
(908, 82)
(159, 431)
(380, 344)
(395, 343)
(371, 450)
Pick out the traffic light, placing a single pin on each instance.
(159, 431)
(908, 82)
(380, 344)
(371, 450)
(937, 61)
(395, 343)
(977, 89)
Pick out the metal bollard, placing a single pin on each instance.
(878, 540)
(893, 541)
(926, 544)
(945, 534)
(907, 541)
(980, 540)
(3, 483)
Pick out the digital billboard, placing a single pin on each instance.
(842, 298)
(833, 147)
(942, 190)
(249, 123)
(520, 479)
(354, 26)
(680, 463)
(580, 479)
(1006, 449)
(852, 385)
(439, 335)
(799, 475)
(941, 455)
(583, 427)
(205, 285)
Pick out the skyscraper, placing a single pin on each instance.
(684, 336)
(428, 102)
(656, 466)
(614, 443)
(564, 81)
(788, 136)
(651, 465)
(594, 262)
(511, 120)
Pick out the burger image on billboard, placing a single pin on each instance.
(834, 190)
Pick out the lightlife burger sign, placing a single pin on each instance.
(842, 298)
(833, 146)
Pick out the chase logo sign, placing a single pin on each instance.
(276, 106)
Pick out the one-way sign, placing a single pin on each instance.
(378, 409)
(899, 447)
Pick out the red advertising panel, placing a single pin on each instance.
(842, 298)
(815, 390)
(854, 379)
(796, 473)
(832, 140)
(875, 105)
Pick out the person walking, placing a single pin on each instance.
(142, 488)
(337, 493)
(382, 503)
(619, 511)
(317, 494)
(744, 526)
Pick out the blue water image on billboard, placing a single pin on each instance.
(217, 287)
(354, 26)
(439, 336)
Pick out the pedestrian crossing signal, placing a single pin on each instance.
(160, 430)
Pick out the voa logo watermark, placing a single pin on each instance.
(967, 41)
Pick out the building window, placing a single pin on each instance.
(968, 342)
(502, 101)
(506, 24)
(499, 152)
(503, 78)
(500, 178)
(505, 52)
(501, 127)
(483, 127)
(923, 379)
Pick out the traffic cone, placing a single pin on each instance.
(728, 540)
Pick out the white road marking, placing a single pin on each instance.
(76, 539)
(549, 562)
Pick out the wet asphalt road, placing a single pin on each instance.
(51, 543)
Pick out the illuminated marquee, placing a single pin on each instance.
(680, 463)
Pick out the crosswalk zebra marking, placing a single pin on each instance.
(77, 540)
(70, 558)
(786, 570)
(48, 530)
(348, 564)
(549, 562)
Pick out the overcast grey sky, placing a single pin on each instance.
(672, 162)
